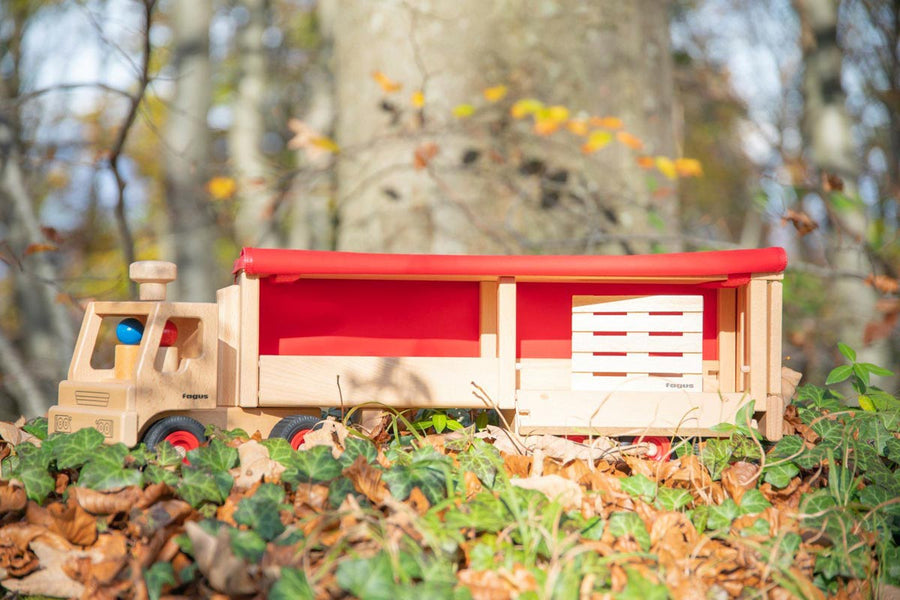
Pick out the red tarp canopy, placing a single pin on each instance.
(733, 264)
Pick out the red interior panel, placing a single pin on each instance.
(329, 317)
(544, 314)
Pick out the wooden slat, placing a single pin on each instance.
(402, 382)
(488, 318)
(545, 374)
(585, 341)
(727, 349)
(775, 308)
(741, 337)
(636, 382)
(248, 352)
(659, 303)
(506, 341)
(758, 312)
(676, 413)
(586, 362)
(690, 322)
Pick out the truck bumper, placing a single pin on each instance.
(116, 426)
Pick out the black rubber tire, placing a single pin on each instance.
(169, 425)
(290, 426)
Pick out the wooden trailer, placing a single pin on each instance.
(620, 345)
(653, 344)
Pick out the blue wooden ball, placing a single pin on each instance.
(130, 331)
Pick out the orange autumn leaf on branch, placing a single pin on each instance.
(883, 283)
(577, 126)
(800, 220)
(387, 84)
(423, 155)
(666, 166)
(221, 188)
(524, 107)
(645, 162)
(418, 99)
(597, 140)
(629, 140)
(688, 167)
(495, 93)
(37, 248)
(607, 122)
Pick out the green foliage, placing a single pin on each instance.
(158, 575)
(314, 465)
(424, 468)
(630, 524)
(215, 456)
(262, 511)
(292, 585)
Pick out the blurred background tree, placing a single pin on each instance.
(183, 130)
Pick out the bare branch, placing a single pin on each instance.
(19, 381)
(66, 87)
(127, 238)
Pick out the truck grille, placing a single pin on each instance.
(89, 398)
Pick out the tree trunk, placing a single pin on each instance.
(494, 185)
(828, 129)
(191, 222)
(254, 225)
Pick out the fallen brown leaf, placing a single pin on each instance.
(106, 503)
(568, 493)
(73, 522)
(50, 579)
(738, 478)
(366, 479)
(12, 498)
(224, 571)
(418, 501)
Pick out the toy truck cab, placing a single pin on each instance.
(164, 361)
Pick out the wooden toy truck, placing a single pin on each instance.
(667, 344)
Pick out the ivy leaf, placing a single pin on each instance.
(788, 447)
(639, 486)
(315, 464)
(672, 498)
(483, 460)
(629, 523)
(753, 502)
(781, 474)
(721, 516)
(338, 490)
(873, 496)
(215, 456)
(75, 449)
(370, 578)
(37, 481)
(760, 527)
(198, 486)
(247, 545)
(261, 512)
(839, 374)
(158, 576)
(484, 513)
(427, 470)
(157, 474)
(280, 450)
(167, 455)
(37, 427)
(291, 586)
(357, 446)
(105, 470)
(715, 455)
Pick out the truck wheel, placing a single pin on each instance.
(659, 450)
(294, 428)
(182, 432)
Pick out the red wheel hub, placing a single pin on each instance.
(576, 438)
(298, 437)
(183, 441)
(659, 448)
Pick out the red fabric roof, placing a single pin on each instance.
(730, 263)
